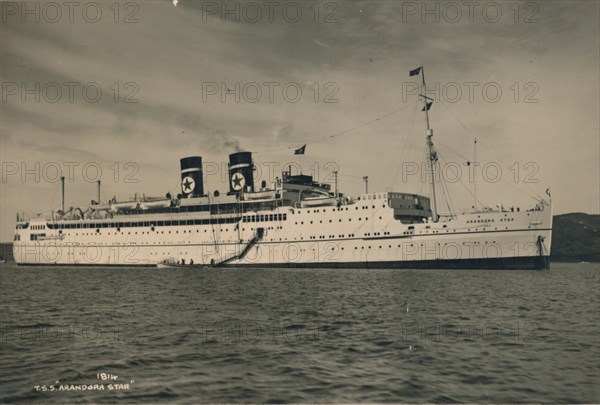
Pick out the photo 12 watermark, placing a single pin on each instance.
(42, 332)
(471, 12)
(325, 12)
(53, 12)
(436, 331)
(256, 332)
(270, 92)
(69, 92)
(52, 248)
(71, 172)
(473, 91)
(470, 172)
(271, 171)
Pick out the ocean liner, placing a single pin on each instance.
(294, 222)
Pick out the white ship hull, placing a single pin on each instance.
(364, 234)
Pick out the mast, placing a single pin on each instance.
(432, 158)
(475, 174)
(335, 173)
(62, 195)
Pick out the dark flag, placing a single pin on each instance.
(427, 106)
(416, 71)
(300, 151)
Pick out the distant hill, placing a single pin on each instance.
(575, 238)
(6, 252)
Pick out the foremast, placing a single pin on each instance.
(431, 153)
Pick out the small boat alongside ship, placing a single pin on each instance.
(172, 263)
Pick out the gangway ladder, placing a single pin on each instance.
(259, 234)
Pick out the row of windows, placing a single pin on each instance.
(366, 207)
(330, 221)
(316, 211)
(265, 217)
(306, 250)
(376, 233)
(356, 207)
(173, 210)
(213, 208)
(86, 225)
(350, 235)
(374, 196)
(413, 244)
(38, 227)
(395, 196)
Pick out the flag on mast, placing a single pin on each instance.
(300, 151)
(427, 106)
(416, 71)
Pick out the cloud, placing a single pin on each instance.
(321, 44)
(170, 54)
(284, 132)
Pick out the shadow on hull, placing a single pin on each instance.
(519, 263)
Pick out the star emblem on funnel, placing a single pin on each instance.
(188, 184)
(238, 181)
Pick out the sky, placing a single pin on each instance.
(121, 91)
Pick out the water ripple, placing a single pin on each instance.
(300, 335)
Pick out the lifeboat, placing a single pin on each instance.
(155, 204)
(260, 195)
(128, 205)
(317, 201)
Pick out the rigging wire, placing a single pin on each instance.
(423, 167)
(462, 183)
(407, 144)
(352, 176)
(446, 197)
(443, 186)
(344, 132)
(394, 148)
(54, 195)
(446, 190)
(403, 147)
(500, 178)
(493, 154)
(437, 141)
